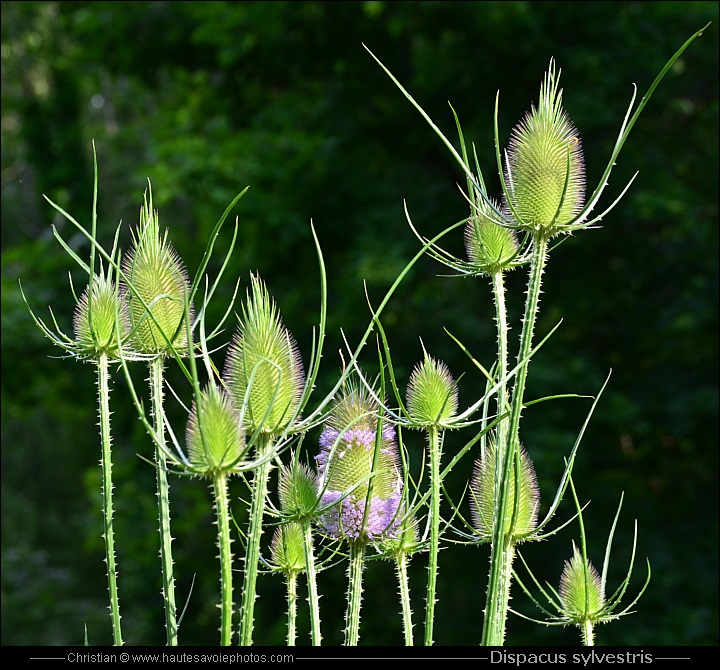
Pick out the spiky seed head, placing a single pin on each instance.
(545, 168)
(263, 370)
(482, 496)
(490, 246)
(297, 490)
(157, 274)
(345, 466)
(431, 393)
(215, 437)
(581, 591)
(95, 318)
(287, 549)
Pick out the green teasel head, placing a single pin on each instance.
(215, 437)
(482, 496)
(544, 165)
(432, 398)
(263, 369)
(491, 247)
(287, 549)
(101, 315)
(581, 591)
(405, 541)
(298, 491)
(157, 278)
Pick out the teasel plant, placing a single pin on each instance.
(265, 377)
(292, 551)
(161, 288)
(543, 183)
(215, 442)
(582, 599)
(431, 403)
(101, 332)
(360, 485)
(288, 557)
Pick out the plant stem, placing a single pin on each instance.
(502, 550)
(435, 451)
(252, 555)
(291, 582)
(498, 285)
(107, 489)
(588, 635)
(224, 544)
(163, 492)
(355, 589)
(313, 597)
(401, 564)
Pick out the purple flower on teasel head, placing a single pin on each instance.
(347, 451)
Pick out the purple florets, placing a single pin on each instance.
(350, 455)
(346, 518)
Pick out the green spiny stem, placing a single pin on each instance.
(588, 635)
(435, 453)
(500, 574)
(401, 565)
(498, 285)
(291, 582)
(498, 616)
(163, 493)
(107, 488)
(224, 544)
(252, 555)
(355, 590)
(313, 597)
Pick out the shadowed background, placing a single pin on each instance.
(207, 98)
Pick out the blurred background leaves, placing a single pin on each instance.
(205, 98)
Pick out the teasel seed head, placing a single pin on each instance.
(582, 598)
(215, 437)
(545, 168)
(263, 370)
(297, 490)
(96, 316)
(287, 549)
(490, 246)
(482, 496)
(158, 277)
(431, 394)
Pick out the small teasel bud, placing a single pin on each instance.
(545, 169)
(287, 549)
(431, 393)
(297, 490)
(95, 318)
(581, 590)
(215, 437)
(490, 246)
(345, 464)
(482, 495)
(158, 276)
(263, 370)
(404, 541)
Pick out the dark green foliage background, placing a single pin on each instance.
(206, 98)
